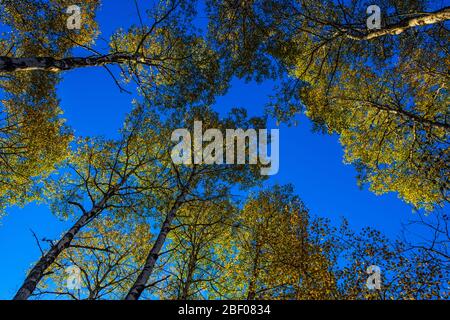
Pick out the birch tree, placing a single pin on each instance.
(198, 182)
(162, 56)
(33, 136)
(193, 263)
(384, 91)
(104, 176)
(271, 255)
(107, 255)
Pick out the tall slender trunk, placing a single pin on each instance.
(141, 282)
(428, 18)
(400, 112)
(254, 278)
(10, 64)
(190, 274)
(37, 272)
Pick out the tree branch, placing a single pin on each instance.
(8, 64)
(400, 27)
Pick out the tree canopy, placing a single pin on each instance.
(385, 92)
(142, 226)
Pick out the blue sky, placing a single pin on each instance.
(93, 105)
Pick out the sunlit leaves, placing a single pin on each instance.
(387, 97)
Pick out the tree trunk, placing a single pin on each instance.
(141, 282)
(190, 274)
(254, 278)
(36, 274)
(400, 27)
(9, 64)
(400, 112)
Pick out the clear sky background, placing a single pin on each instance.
(312, 162)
